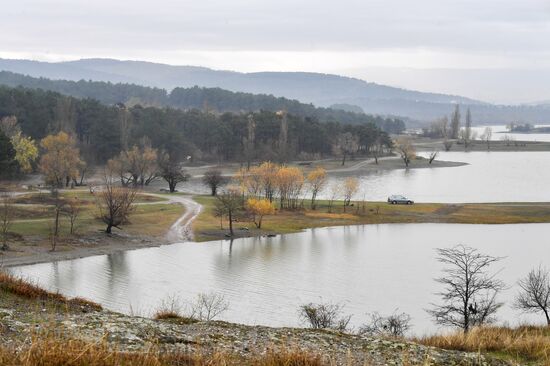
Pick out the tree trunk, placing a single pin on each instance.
(260, 222)
(313, 196)
(109, 228)
(547, 317)
(172, 186)
(344, 160)
(214, 190)
(230, 222)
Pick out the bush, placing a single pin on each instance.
(325, 316)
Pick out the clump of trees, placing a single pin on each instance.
(102, 132)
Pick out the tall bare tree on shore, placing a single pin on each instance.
(469, 294)
(534, 296)
(455, 122)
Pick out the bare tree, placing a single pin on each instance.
(208, 306)
(335, 191)
(486, 136)
(469, 294)
(534, 296)
(394, 325)
(231, 203)
(72, 210)
(6, 213)
(214, 180)
(115, 204)
(325, 316)
(59, 204)
(346, 144)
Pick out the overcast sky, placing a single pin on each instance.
(379, 40)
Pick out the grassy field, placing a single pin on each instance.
(32, 217)
(207, 226)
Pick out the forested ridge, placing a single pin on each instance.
(212, 99)
(103, 131)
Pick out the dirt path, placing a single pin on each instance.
(181, 229)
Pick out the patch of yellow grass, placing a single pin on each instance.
(525, 343)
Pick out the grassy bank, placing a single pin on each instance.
(32, 217)
(207, 226)
(524, 345)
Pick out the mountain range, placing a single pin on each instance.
(321, 90)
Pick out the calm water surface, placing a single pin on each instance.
(488, 177)
(367, 268)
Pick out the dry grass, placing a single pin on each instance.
(207, 226)
(522, 344)
(50, 349)
(28, 290)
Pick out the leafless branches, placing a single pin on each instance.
(208, 306)
(115, 204)
(394, 325)
(469, 295)
(325, 316)
(534, 296)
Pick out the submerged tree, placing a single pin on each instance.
(469, 293)
(534, 296)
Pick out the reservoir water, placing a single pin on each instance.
(367, 268)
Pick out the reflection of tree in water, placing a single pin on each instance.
(117, 271)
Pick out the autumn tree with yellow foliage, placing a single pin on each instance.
(317, 180)
(259, 208)
(350, 188)
(26, 151)
(289, 181)
(61, 159)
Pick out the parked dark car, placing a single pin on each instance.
(399, 200)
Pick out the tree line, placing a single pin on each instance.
(102, 132)
(206, 99)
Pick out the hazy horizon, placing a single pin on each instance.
(495, 51)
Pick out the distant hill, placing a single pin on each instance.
(320, 89)
(212, 99)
